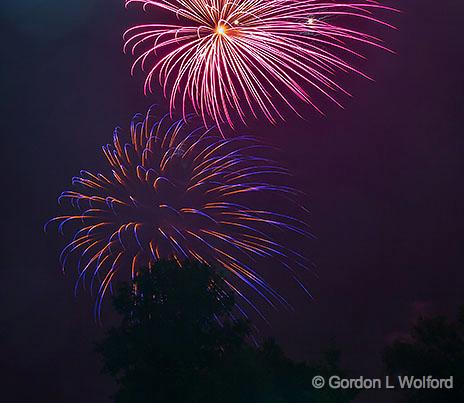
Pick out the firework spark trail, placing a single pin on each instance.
(178, 193)
(227, 58)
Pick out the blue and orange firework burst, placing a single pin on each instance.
(179, 193)
(232, 59)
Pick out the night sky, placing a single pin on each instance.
(383, 178)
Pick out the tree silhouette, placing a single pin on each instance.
(435, 347)
(178, 342)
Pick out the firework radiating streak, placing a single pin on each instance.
(227, 57)
(177, 193)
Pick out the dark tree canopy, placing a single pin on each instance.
(435, 347)
(177, 342)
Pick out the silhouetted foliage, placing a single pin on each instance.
(177, 342)
(435, 347)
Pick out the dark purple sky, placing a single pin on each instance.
(384, 179)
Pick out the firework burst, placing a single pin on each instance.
(177, 193)
(239, 57)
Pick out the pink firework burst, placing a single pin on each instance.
(227, 58)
